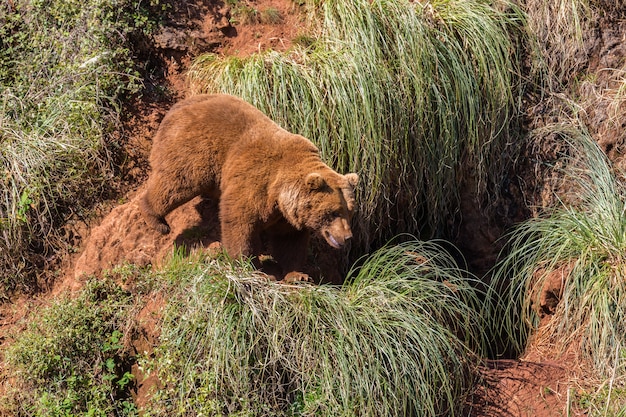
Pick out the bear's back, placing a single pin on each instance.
(222, 114)
(202, 130)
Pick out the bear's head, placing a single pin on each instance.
(323, 204)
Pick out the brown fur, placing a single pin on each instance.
(271, 184)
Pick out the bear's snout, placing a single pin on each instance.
(338, 233)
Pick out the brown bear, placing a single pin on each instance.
(271, 184)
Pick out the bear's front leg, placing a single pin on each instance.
(289, 250)
(241, 237)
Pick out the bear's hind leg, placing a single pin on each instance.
(151, 217)
(160, 198)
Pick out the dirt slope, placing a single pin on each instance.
(124, 237)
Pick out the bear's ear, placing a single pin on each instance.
(315, 181)
(353, 179)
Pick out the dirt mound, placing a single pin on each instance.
(262, 25)
(124, 237)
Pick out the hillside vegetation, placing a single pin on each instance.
(424, 101)
(65, 67)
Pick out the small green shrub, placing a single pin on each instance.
(391, 342)
(271, 15)
(71, 359)
(244, 14)
(608, 400)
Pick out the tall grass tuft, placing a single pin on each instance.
(404, 93)
(64, 66)
(393, 341)
(584, 242)
(558, 29)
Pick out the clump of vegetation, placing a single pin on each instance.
(271, 16)
(558, 29)
(71, 359)
(583, 240)
(64, 65)
(244, 14)
(609, 399)
(395, 340)
(404, 93)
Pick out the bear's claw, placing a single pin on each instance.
(163, 228)
(296, 276)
